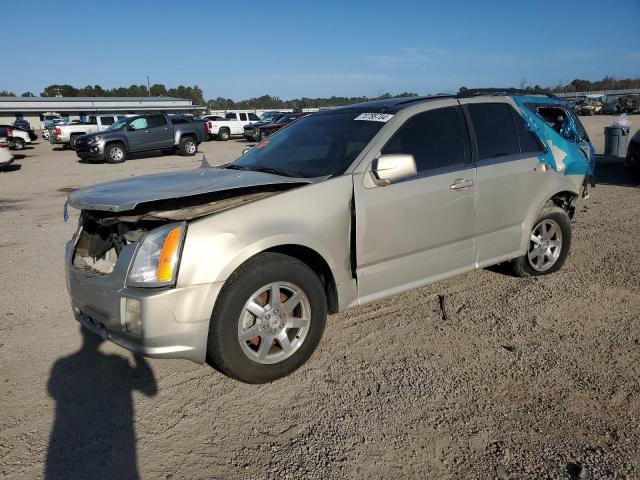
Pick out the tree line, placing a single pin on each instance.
(269, 102)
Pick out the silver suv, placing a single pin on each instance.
(239, 265)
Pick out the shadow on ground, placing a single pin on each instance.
(93, 433)
(611, 171)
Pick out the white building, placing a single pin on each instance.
(33, 109)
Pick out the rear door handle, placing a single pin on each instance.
(460, 183)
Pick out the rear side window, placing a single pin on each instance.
(529, 141)
(155, 121)
(495, 130)
(230, 116)
(106, 120)
(177, 121)
(434, 138)
(243, 117)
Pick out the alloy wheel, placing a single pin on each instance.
(545, 245)
(274, 322)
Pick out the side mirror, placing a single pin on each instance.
(131, 128)
(387, 169)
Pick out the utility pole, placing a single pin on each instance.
(148, 88)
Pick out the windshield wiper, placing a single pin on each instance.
(273, 171)
(233, 166)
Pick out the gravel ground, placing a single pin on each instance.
(521, 379)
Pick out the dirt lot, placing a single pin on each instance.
(523, 379)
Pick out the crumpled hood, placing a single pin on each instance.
(127, 194)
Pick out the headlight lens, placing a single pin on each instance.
(95, 139)
(157, 258)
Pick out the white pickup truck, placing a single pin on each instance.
(231, 124)
(66, 134)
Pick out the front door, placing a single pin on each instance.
(138, 134)
(421, 229)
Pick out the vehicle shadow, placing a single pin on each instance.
(611, 171)
(93, 433)
(14, 167)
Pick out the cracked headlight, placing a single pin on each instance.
(157, 258)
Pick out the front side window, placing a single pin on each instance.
(139, 123)
(155, 121)
(494, 129)
(529, 141)
(434, 138)
(253, 117)
(243, 117)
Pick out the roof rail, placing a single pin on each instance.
(475, 92)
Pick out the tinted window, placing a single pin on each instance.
(434, 138)
(139, 123)
(529, 141)
(495, 130)
(107, 120)
(230, 116)
(155, 121)
(253, 116)
(243, 117)
(176, 121)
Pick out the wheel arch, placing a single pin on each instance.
(564, 197)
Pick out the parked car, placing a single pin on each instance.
(51, 118)
(632, 160)
(18, 137)
(67, 134)
(51, 124)
(142, 133)
(239, 265)
(232, 125)
(6, 157)
(251, 132)
(263, 131)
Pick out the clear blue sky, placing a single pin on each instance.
(316, 48)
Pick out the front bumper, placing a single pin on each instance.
(92, 151)
(175, 321)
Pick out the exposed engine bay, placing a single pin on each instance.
(102, 235)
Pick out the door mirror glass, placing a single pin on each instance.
(387, 169)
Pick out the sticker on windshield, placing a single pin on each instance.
(375, 117)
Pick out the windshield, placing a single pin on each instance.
(268, 117)
(119, 124)
(314, 146)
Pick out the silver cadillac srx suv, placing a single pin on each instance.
(239, 265)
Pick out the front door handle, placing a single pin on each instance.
(460, 183)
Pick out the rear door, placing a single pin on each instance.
(509, 176)
(420, 229)
(160, 132)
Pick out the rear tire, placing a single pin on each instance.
(18, 143)
(548, 252)
(223, 135)
(300, 328)
(115, 153)
(188, 146)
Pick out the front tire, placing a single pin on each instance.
(115, 153)
(268, 319)
(549, 244)
(72, 141)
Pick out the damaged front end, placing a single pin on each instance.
(102, 236)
